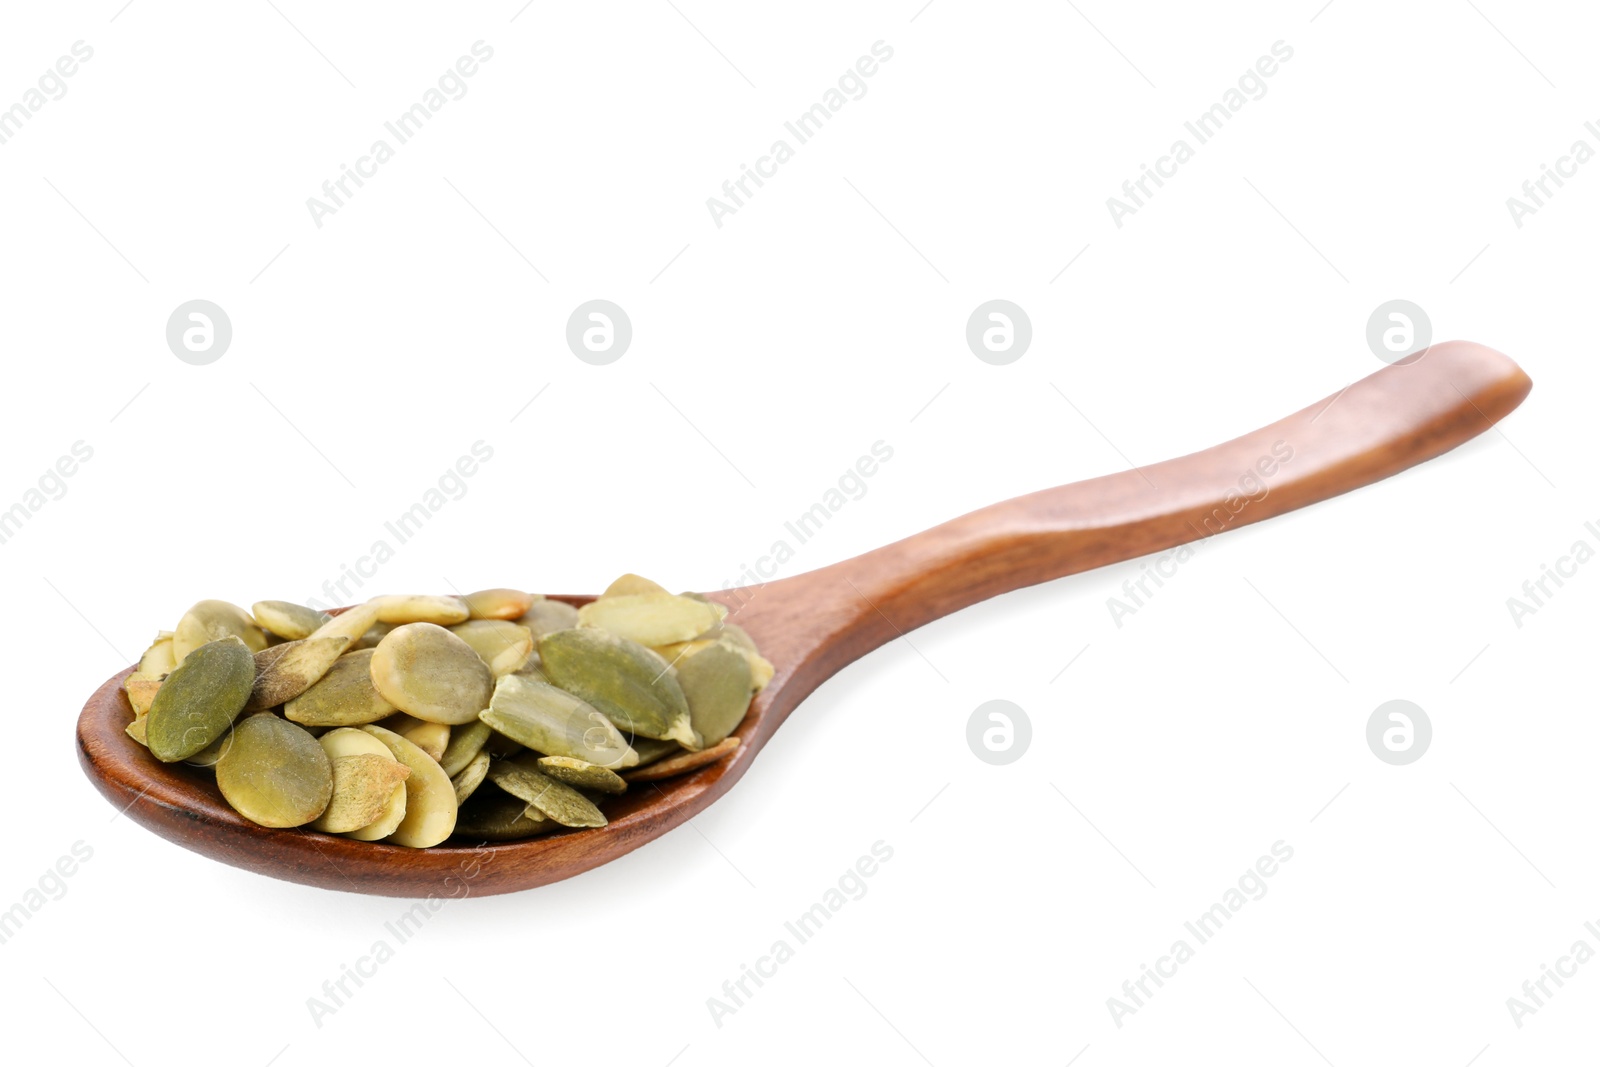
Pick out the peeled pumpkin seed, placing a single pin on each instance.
(469, 778)
(212, 620)
(652, 618)
(548, 616)
(136, 730)
(430, 673)
(683, 764)
(431, 737)
(430, 798)
(285, 671)
(581, 774)
(503, 646)
(760, 669)
(347, 741)
(555, 722)
(716, 681)
(466, 741)
(345, 696)
(556, 801)
(362, 786)
(497, 603)
(496, 816)
(274, 773)
(200, 699)
(439, 610)
(630, 584)
(631, 685)
(288, 620)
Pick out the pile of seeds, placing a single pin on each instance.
(407, 719)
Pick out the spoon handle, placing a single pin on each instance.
(1400, 416)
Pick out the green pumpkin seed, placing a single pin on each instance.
(554, 722)
(346, 741)
(632, 584)
(716, 681)
(556, 801)
(285, 671)
(439, 610)
(200, 699)
(362, 786)
(633, 686)
(652, 751)
(466, 741)
(291, 621)
(431, 737)
(430, 673)
(430, 798)
(274, 773)
(345, 696)
(651, 618)
(548, 616)
(496, 816)
(212, 620)
(503, 646)
(683, 764)
(498, 603)
(581, 774)
(469, 778)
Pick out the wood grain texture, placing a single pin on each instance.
(813, 624)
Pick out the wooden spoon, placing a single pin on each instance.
(813, 624)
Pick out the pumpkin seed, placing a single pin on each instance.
(466, 741)
(439, 610)
(375, 633)
(652, 618)
(212, 620)
(631, 584)
(503, 646)
(555, 722)
(548, 616)
(362, 786)
(631, 685)
(496, 816)
(430, 798)
(683, 764)
(141, 693)
(288, 620)
(581, 774)
(716, 681)
(431, 737)
(556, 801)
(274, 773)
(200, 699)
(760, 669)
(158, 659)
(498, 603)
(652, 751)
(285, 671)
(469, 778)
(427, 671)
(346, 741)
(351, 623)
(136, 730)
(345, 696)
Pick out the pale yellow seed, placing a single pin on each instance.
(431, 737)
(430, 798)
(631, 584)
(652, 618)
(439, 610)
(362, 786)
(504, 646)
(498, 603)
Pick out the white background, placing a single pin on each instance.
(825, 315)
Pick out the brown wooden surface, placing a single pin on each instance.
(813, 624)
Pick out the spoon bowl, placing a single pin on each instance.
(811, 625)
